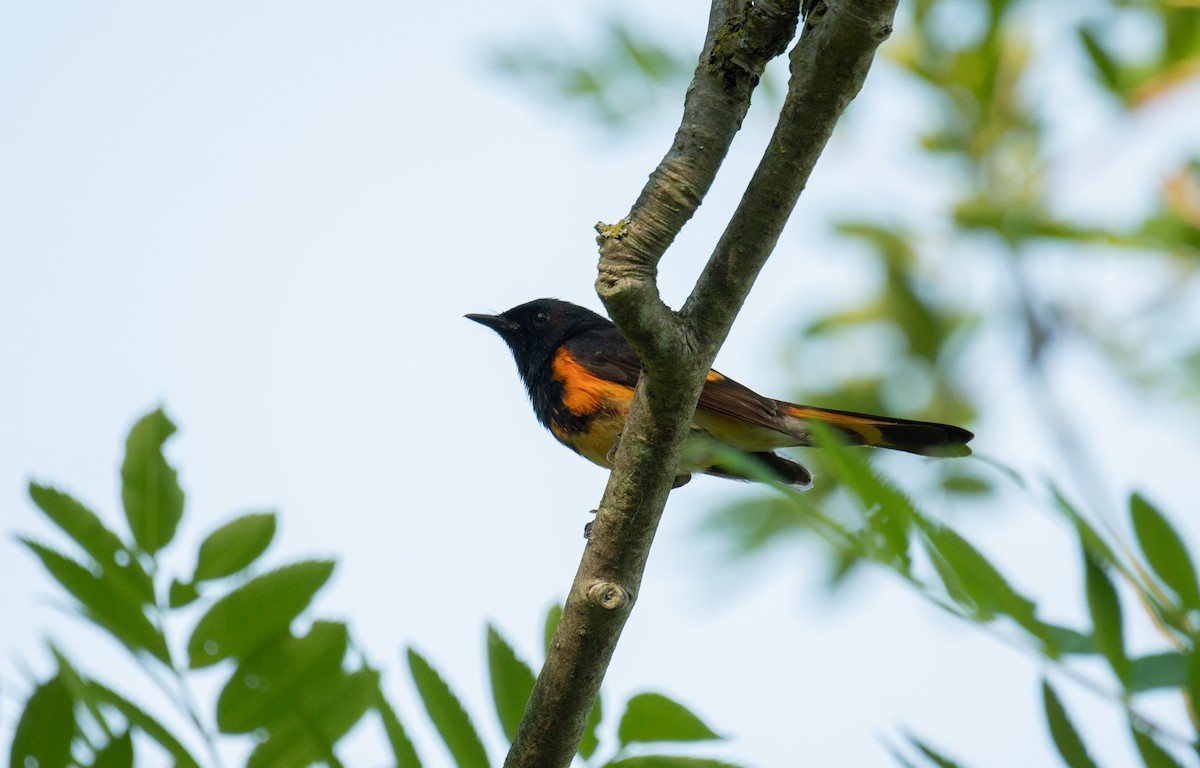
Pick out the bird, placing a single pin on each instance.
(580, 373)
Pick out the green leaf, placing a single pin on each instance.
(1108, 69)
(78, 691)
(512, 682)
(104, 601)
(898, 756)
(653, 717)
(889, 513)
(1153, 755)
(267, 686)
(1192, 688)
(402, 746)
(1089, 537)
(1165, 551)
(320, 719)
(46, 728)
(118, 753)
(932, 754)
(1107, 623)
(234, 546)
(668, 761)
(255, 613)
(149, 485)
(106, 548)
(981, 581)
(181, 594)
(1068, 640)
(145, 722)
(447, 713)
(1157, 670)
(1066, 738)
(94, 694)
(968, 485)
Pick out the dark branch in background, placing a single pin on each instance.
(828, 65)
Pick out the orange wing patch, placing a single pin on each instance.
(585, 393)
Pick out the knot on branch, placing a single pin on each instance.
(609, 596)
(610, 231)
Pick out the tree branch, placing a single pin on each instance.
(828, 67)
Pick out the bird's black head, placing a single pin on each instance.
(534, 330)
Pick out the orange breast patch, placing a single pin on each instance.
(585, 393)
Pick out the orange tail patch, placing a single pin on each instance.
(922, 437)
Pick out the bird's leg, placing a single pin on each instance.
(612, 452)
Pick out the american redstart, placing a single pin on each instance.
(580, 373)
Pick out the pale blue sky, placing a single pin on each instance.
(270, 217)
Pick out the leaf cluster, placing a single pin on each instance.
(1152, 579)
(647, 720)
(288, 697)
(294, 695)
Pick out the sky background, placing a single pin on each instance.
(269, 218)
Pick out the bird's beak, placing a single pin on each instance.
(497, 323)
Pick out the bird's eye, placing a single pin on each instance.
(541, 318)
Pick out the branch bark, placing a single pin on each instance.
(828, 66)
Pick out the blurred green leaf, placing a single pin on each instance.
(622, 75)
(988, 590)
(270, 685)
(118, 753)
(1091, 539)
(651, 717)
(234, 546)
(104, 601)
(747, 525)
(652, 59)
(512, 682)
(402, 746)
(935, 757)
(138, 717)
(898, 756)
(1107, 622)
(1108, 69)
(1192, 688)
(1157, 670)
(149, 485)
(969, 484)
(1066, 738)
(321, 718)
(79, 692)
(887, 512)
(1067, 640)
(1165, 551)
(180, 594)
(46, 728)
(448, 715)
(94, 694)
(105, 547)
(255, 613)
(1152, 753)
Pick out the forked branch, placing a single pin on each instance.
(828, 67)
